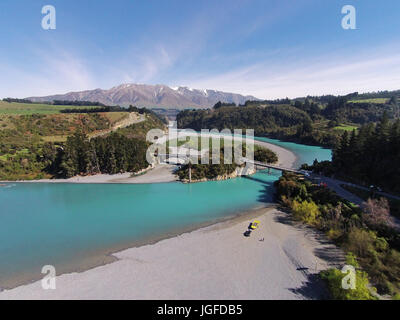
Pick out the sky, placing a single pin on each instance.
(265, 48)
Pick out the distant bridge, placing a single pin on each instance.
(185, 158)
(271, 166)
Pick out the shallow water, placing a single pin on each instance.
(304, 153)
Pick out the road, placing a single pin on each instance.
(335, 185)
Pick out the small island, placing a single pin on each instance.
(205, 172)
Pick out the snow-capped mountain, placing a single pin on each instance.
(143, 95)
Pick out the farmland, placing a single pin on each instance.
(374, 100)
(346, 127)
(34, 108)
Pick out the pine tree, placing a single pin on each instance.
(393, 101)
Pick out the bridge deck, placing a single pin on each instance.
(256, 163)
(266, 165)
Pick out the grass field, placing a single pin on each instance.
(115, 116)
(33, 108)
(375, 100)
(60, 138)
(346, 127)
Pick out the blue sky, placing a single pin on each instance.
(267, 48)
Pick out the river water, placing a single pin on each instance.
(56, 224)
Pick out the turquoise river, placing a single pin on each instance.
(66, 225)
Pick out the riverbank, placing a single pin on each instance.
(158, 174)
(162, 172)
(213, 262)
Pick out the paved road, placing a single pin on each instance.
(384, 194)
(335, 185)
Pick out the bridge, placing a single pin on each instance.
(271, 166)
(185, 158)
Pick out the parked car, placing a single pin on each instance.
(255, 224)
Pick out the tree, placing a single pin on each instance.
(340, 154)
(217, 105)
(393, 100)
(49, 152)
(111, 154)
(377, 212)
(333, 277)
(298, 104)
(382, 128)
(306, 211)
(333, 123)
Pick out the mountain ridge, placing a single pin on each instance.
(143, 95)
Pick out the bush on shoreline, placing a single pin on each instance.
(375, 245)
(334, 277)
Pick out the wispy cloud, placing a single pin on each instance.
(207, 49)
(144, 66)
(326, 74)
(59, 71)
(167, 52)
(62, 71)
(71, 71)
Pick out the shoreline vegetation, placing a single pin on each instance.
(367, 235)
(367, 157)
(161, 173)
(200, 172)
